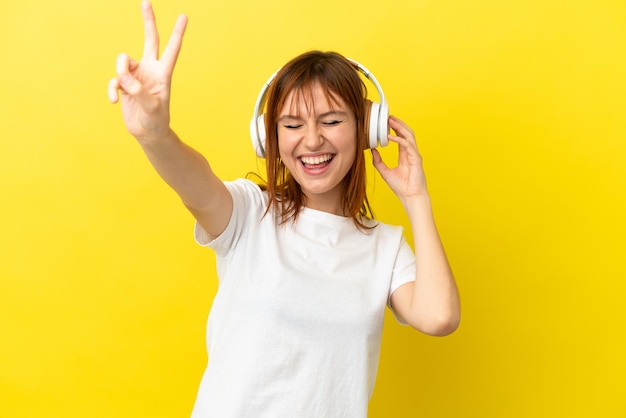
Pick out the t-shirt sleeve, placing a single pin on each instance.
(403, 271)
(248, 207)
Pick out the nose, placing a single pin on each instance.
(313, 138)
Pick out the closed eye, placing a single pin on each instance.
(292, 126)
(332, 122)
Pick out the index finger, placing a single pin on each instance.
(400, 126)
(170, 54)
(151, 35)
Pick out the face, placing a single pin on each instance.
(317, 144)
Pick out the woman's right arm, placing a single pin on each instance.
(145, 88)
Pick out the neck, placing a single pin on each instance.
(325, 204)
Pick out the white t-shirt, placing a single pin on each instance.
(295, 327)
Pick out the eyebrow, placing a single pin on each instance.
(320, 116)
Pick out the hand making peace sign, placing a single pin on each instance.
(145, 85)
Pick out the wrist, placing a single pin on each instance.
(157, 138)
(416, 201)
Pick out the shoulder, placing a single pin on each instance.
(249, 206)
(382, 229)
(246, 191)
(243, 184)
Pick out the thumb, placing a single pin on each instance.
(133, 87)
(129, 84)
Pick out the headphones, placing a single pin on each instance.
(378, 117)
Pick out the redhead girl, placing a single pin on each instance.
(305, 272)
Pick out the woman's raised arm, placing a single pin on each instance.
(145, 87)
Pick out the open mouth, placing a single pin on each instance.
(317, 161)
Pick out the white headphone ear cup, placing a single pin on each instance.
(254, 136)
(373, 125)
(257, 132)
(383, 124)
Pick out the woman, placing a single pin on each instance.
(304, 271)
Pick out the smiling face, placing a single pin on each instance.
(314, 154)
(317, 142)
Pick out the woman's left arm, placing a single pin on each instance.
(430, 304)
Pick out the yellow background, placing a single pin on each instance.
(519, 107)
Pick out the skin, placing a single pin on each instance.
(430, 304)
(317, 132)
(144, 87)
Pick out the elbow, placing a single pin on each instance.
(445, 327)
(438, 325)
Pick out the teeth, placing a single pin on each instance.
(317, 159)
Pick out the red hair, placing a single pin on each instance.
(338, 78)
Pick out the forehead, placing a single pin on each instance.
(311, 99)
